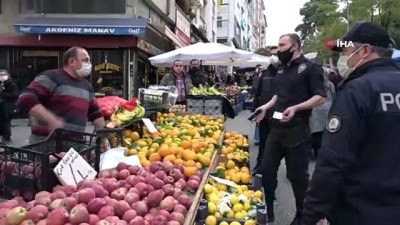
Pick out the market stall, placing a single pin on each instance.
(165, 170)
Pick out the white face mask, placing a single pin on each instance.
(273, 60)
(85, 70)
(343, 67)
(3, 78)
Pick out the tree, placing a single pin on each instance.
(262, 51)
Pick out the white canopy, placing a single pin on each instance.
(209, 52)
(311, 55)
(252, 62)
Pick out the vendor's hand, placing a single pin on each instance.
(261, 115)
(288, 114)
(56, 123)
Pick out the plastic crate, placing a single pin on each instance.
(205, 105)
(261, 214)
(29, 169)
(150, 101)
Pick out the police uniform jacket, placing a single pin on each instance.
(357, 176)
(265, 87)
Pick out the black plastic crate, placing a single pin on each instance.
(29, 169)
(205, 105)
(110, 138)
(152, 101)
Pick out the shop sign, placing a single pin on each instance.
(106, 68)
(182, 29)
(149, 48)
(80, 30)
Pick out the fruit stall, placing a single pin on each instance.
(173, 170)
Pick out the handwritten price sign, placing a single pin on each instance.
(73, 168)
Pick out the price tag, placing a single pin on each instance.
(226, 182)
(149, 125)
(73, 168)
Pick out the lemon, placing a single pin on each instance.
(208, 189)
(237, 208)
(221, 187)
(244, 187)
(230, 214)
(258, 194)
(224, 223)
(218, 215)
(211, 220)
(234, 200)
(212, 208)
(246, 206)
(234, 223)
(214, 199)
(240, 215)
(250, 222)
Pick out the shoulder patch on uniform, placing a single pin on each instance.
(301, 68)
(334, 124)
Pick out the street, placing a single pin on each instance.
(284, 206)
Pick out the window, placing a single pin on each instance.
(222, 23)
(225, 2)
(73, 6)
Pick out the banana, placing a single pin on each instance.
(141, 112)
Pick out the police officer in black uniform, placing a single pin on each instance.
(299, 88)
(262, 95)
(357, 176)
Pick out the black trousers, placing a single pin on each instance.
(292, 142)
(316, 142)
(264, 129)
(5, 122)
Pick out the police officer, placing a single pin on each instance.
(263, 94)
(299, 88)
(357, 176)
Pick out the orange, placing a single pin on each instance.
(164, 152)
(171, 158)
(189, 171)
(189, 155)
(196, 147)
(155, 157)
(189, 163)
(178, 161)
(199, 166)
(173, 150)
(145, 163)
(186, 144)
(127, 132)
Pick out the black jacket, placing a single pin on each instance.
(8, 94)
(357, 176)
(264, 91)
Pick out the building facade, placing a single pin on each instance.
(120, 36)
(240, 23)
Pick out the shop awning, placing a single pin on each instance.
(82, 26)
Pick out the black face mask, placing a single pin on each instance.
(195, 69)
(285, 56)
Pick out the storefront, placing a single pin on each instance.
(119, 49)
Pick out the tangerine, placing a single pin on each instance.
(186, 144)
(189, 163)
(189, 171)
(171, 158)
(155, 157)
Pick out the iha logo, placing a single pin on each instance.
(332, 43)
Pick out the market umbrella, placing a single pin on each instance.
(252, 62)
(202, 51)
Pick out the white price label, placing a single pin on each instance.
(226, 182)
(73, 168)
(149, 125)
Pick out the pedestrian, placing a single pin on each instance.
(256, 78)
(178, 78)
(357, 176)
(8, 97)
(262, 95)
(62, 98)
(298, 89)
(319, 115)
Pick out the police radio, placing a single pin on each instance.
(252, 116)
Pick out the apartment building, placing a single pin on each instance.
(120, 36)
(241, 23)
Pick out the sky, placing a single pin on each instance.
(282, 17)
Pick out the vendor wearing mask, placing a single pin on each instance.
(195, 74)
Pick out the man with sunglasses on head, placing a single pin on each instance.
(298, 88)
(180, 80)
(357, 176)
(62, 98)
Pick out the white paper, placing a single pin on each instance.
(149, 125)
(226, 182)
(73, 168)
(111, 158)
(277, 115)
